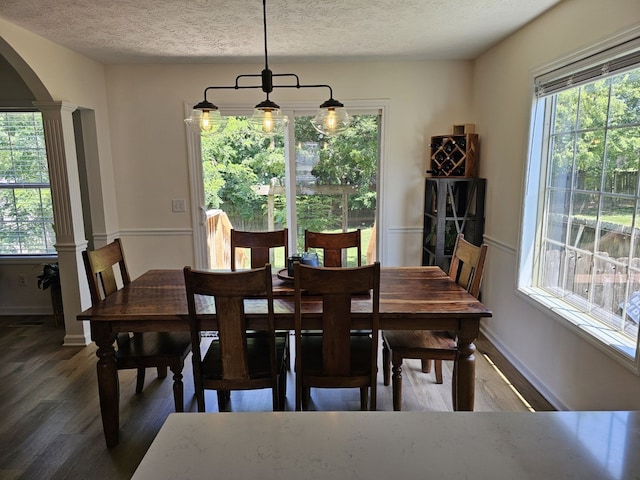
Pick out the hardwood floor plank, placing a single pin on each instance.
(50, 425)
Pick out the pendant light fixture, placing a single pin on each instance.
(331, 119)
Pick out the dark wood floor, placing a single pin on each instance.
(50, 424)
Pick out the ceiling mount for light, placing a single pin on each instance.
(331, 119)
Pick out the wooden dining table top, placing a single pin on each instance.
(407, 294)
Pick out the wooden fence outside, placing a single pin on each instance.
(583, 273)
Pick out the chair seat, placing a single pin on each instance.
(258, 357)
(150, 346)
(360, 345)
(422, 341)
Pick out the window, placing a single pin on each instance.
(580, 248)
(26, 214)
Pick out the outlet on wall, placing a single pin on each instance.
(22, 280)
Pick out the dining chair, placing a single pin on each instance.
(234, 360)
(160, 350)
(259, 245)
(466, 269)
(332, 245)
(336, 357)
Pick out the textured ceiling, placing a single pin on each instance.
(152, 31)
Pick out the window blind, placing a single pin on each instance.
(612, 61)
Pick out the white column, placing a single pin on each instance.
(67, 214)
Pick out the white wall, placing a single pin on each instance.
(572, 372)
(146, 108)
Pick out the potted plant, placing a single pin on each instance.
(50, 278)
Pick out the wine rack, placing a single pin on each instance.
(451, 206)
(454, 155)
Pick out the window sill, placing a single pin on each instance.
(617, 346)
(27, 259)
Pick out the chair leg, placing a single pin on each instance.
(426, 366)
(454, 386)
(386, 363)
(364, 398)
(397, 383)
(200, 399)
(438, 368)
(224, 396)
(282, 390)
(140, 381)
(306, 397)
(162, 372)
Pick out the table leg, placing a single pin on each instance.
(464, 376)
(108, 385)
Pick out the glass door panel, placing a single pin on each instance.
(336, 182)
(244, 189)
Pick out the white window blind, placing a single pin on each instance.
(611, 61)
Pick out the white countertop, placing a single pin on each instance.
(396, 445)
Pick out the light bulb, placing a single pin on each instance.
(267, 122)
(331, 120)
(205, 121)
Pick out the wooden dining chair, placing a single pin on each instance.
(336, 357)
(466, 269)
(160, 350)
(332, 246)
(235, 360)
(259, 245)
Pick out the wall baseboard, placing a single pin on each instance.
(532, 379)
(26, 310)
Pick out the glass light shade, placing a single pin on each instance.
(205, 122)
(268, 121)
(331, 121)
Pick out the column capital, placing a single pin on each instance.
(55, 106)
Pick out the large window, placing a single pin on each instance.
(26, 214)
(581, 247)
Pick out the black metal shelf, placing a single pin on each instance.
(462, 201)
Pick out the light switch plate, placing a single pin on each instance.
(178, 206)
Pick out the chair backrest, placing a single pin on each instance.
(336, 287)
(467, 265)
(229, 290)
(259, 244)
(99, 265)
(332, 245)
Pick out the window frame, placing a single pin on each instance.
(616, 345)
(44, 256)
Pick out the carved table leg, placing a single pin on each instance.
(464, 376)
(396, 381)
(108, 385)
(178, 390)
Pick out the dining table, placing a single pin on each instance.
(411, 298)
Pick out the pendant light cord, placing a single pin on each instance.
(264, 22)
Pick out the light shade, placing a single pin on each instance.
(205, 119)
(268, 119)
(332, 118)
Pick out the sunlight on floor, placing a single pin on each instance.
(526, 404)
